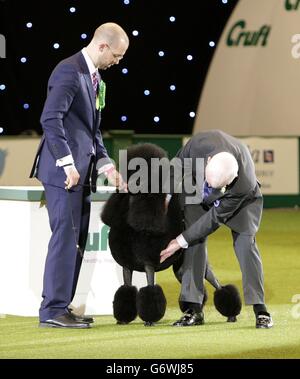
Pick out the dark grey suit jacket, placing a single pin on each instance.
(240, 206)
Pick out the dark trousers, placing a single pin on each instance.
(195, 265)
(63, 262)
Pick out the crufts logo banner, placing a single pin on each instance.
(3, 154)
(239, 35)
(2, 46)
(292, 5)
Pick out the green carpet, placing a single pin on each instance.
(279, 242)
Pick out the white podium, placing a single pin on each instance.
(24, 237)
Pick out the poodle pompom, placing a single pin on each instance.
(227, 300)
(124, 304)
(151, 303)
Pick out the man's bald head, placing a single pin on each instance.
(221, 170)
(110, 33)
(108, 45)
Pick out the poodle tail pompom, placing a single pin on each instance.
(124, 304)
(227, 300)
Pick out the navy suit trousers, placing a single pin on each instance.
(63, 262)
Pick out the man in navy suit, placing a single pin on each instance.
(69, 158)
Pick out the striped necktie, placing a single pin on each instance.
(95, 82)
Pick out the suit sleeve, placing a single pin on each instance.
(102, 157)
(211, 220)
(63, 86)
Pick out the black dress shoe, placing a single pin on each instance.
(264, 320)
(190, 318)
(84, 319)
(64, 321)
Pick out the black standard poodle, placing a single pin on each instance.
(140, 227)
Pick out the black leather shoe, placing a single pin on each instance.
(190, 318)
(64, 321)
(264, 320)
(84, 319)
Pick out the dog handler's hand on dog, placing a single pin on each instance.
(115, 178)
(170, 250)
(72, 176)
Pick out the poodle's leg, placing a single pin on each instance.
(127, 276)
(151, 301)
(150, 275)
(124, 304)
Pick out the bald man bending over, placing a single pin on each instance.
(69, 158)
(231, 196)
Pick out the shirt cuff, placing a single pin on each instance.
(182, 242)
(168, 197)
(105, 168)
(67, 160)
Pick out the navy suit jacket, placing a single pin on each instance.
(70, 123)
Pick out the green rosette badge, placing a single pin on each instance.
(100, 100)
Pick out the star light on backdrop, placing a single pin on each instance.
(155, 88)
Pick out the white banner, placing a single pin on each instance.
(24, 237)
(16, 159)
(276, 164)
(252, 86)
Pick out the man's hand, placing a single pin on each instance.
(170, 250)
(115, 179)
(72, 176)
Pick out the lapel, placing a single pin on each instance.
(89, 84)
